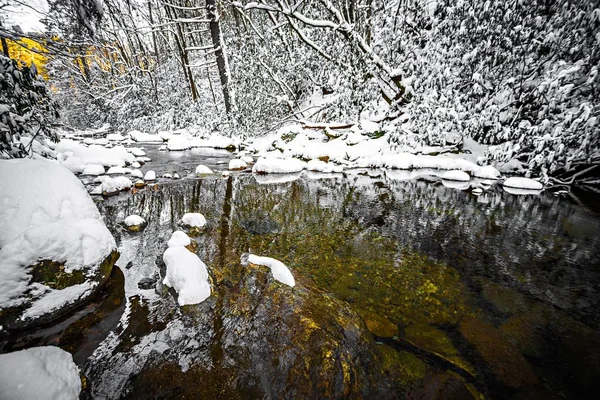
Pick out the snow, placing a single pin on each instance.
(456, 175)
(280, 272)
(94, 154)
(57, 299)
(193, 219)
(236, 164)
(134, 220)
(215, 141)
(39, 373)
(144, 137)
(113, 185)
(186, 273)
(277, 166)
(203, 170)
(178, 143)
(93, 169)
(116, 171)
(136, 151)
(523, 183)
(150, 176)
(179, 238)
(46, 214)
(322, 166)
(115, 137)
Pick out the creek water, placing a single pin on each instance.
(405, 288)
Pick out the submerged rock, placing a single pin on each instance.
(502, 357)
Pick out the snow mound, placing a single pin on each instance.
(237, 164)
(39, 373)
(179, 238)
(94, 154)
(523, 183)
(134, 220)
(136, 151)
(280, 272)
(116, 171)
(144, 137)
(322, 166)
(215, 141)
(456, 175)
(203, 170)
(93, 170)
(150, 176)
(136, 173)
(115, 137)
(178, 143)
(193, 219)
(46, 214)
(186, 273)
(278, 166)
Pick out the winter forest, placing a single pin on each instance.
(290, 199)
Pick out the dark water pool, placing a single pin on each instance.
(405, 289)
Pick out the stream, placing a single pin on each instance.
(406, 288)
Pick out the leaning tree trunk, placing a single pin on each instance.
(220, 54)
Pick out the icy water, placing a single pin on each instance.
(405, 289)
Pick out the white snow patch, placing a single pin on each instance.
(186, 273)
(134, 220)
(179, 238)
(203, 170)
(280, 272)
(237, 163)
(150, 176)
(93, 170)
(144, 137)
(278, 166)
(177, 143)
(523, 183)
(456, 175)
(193, 219)
(39, 373)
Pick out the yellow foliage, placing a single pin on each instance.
(22, 51)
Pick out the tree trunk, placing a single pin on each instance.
(220, 54)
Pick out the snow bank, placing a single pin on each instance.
(280, 272)
(215, 141)
(144, 137)
(94, 154)
(186, 273)
(278, 166)
(193, 219)
(115, 137)
(39, 373)
(46, 214)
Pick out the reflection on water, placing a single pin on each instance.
(499, 293)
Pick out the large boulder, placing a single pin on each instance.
(55, 251)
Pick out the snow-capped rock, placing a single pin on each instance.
(93, 170)
(203, 170)
(134, 223)
(39, 373)
(523, 183)
(456, 175)
(237, 164)
(278, 166)
(150, 176)
(280, 272)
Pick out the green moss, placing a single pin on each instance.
(53, 275)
